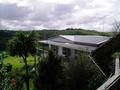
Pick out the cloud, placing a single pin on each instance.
(13, 12)
(62, 9)
(37, 14)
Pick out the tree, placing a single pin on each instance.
(50, 73)
(82, 74)
(116, 27)
(103, 54)
(23, 45)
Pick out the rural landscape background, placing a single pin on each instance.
(26, 64)
(73, 75)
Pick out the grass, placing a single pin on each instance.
(31, 85)
(17, 62)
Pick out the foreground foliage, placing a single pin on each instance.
(82, 74)
(23, 45)
(50, 73)
(103, 54)
(5, 83)
(56, 74)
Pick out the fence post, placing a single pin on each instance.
(117, 66)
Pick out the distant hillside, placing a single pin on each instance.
(44, 34)
(5, 35)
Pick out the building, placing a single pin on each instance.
(69, 45)
(87, 43)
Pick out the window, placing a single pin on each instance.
(66, 52)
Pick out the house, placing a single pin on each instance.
(69, 45)
(100, 47)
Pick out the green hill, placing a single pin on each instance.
(5, 35)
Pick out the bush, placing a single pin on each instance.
(50, 73)
(5, 83)
(9, 67)
(81, 74)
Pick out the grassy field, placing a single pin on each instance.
(17, 62)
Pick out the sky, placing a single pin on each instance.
(59, 14)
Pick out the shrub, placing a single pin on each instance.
(82, 74)
(4, 80)
(50, 73)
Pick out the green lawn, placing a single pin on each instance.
(17, 62)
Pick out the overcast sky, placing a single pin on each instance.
(59, 14)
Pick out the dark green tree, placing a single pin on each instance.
(80, 74)
(22, 45)
(103, 54)
(50, 73)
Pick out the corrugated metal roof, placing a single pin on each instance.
(77, 41)
(93, 39)
(69, 45)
